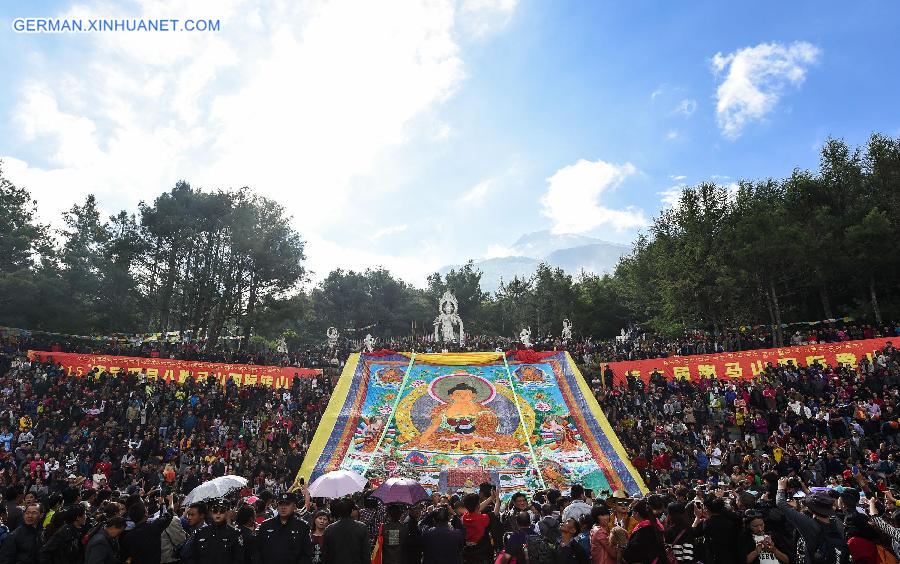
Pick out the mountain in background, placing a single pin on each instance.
(572, 253)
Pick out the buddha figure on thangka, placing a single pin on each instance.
(463, 419)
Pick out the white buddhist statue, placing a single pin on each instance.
(332, 335)
(567, 330)
(525, 337)
(445, 322)
(369, 343)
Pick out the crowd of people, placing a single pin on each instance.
(93, 468)
(773, 520)
(819, 422)
(105, 433)
(640, 345)
(635, 344)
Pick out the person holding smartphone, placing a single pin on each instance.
(758, 544)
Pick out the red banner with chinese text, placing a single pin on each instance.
(749, 364)
(178, 370)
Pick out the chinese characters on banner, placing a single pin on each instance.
(178, 370)
(749, 364)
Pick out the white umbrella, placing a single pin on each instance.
(337, 484)
(215, 488)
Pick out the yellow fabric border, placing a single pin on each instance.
(456, 359)
(329, 419)
(604, 423)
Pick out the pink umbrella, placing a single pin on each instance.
(401, 490)
(337, 484)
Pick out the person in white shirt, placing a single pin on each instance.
(128, 459)
(668, 408)
(658, 445)
(578, 507)
(715, 456)
(873, 409)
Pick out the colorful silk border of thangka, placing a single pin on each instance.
(571, 437)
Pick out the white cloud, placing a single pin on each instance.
(686, 107)
(499, 251)
(385, 231)
(325, 255)
(755, 79)
(442, 131)
(658, 92)
(671, 196)
(572, 200)
(297, 100)
(672, 135)
(476, 194)
(481, 18)
(72, 138)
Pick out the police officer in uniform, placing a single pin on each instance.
(218, 542)
(285, 537)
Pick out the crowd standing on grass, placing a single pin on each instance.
(797, 465)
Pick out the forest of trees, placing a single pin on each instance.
(815, 245)
(807, 247)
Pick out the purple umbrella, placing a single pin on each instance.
(401, 490)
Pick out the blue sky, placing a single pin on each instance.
(417, 134)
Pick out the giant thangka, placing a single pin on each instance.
(526, 421)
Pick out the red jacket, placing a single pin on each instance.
(862, 551)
